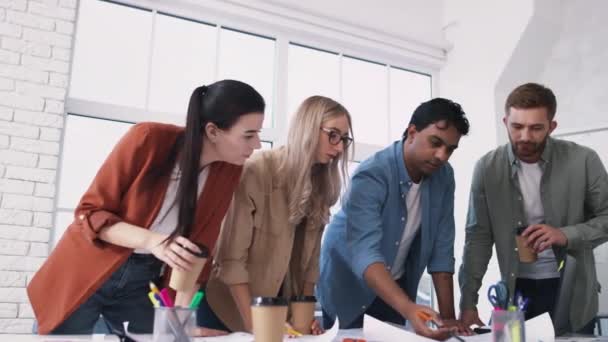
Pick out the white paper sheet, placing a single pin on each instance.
(477, 338)
(540, 328)
(379, 331)
(328, 336)
(234, 337)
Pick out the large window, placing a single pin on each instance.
(141, 63)
(311, 72)
(150, 61)
(380, 97)
(143, 67)
(104, 52)
(86, 144)
(183, 57)
(249, 58)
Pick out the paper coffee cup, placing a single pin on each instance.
(526, 253)
(268, 316)
(302, 313)
(186, 280)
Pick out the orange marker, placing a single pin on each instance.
(427, 318)
(423, 315)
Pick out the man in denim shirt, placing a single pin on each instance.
(557, 192)
(396, 220)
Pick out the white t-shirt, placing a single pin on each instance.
(412, 225)
(166, 220)
(529, 176)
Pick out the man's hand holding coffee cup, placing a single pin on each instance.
(543, 236)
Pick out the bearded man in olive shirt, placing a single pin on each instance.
(557, 191)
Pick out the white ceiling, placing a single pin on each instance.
(414, 20)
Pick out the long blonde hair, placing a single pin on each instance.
(314, 188)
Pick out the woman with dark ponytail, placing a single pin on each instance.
(162, 192)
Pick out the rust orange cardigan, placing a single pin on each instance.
(81, 263)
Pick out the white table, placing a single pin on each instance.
(111, 338)
(58, 338)
(357, 333)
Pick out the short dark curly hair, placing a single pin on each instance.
(439, 109)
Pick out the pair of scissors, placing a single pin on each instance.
(498, 295)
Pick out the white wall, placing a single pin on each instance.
(500, 45)
(530, 56)
(35, 50)
(483, 36)
(576, 67)
(576, 70)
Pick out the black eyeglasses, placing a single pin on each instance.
(335, 137)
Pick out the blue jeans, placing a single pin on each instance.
(123, 297)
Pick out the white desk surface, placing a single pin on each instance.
(111, 338)
(104, 338)
(57, 338)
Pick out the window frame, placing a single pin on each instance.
(316, 37)
(345, 41)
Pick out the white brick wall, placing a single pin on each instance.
(38, 249)
(25, 311)
(10, 247)
(47, 162)
(12, 279)
(11, 186)
(32, 234)
(28, 48)
(43, 220)
(8, 310)
(35, 51)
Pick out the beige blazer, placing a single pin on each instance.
(258, 246)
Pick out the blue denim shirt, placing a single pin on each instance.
(369, 227)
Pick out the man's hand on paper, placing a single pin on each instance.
(459, 326)
(469, 317)
(419, 315)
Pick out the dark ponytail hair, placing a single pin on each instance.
(221, 103)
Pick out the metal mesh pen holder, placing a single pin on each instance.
(173, 324)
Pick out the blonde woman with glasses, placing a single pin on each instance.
(270, 241)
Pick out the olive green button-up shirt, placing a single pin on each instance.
(574, 195)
